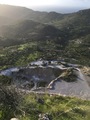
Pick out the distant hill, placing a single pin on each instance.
(29, 29)
(57, 35)
(73, 25)
(16, 13)
(76, 23)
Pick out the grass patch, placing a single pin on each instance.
(57, 107)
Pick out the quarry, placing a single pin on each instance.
(53, 77)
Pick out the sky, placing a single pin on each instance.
(54, 4)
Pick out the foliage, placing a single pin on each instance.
(57, 107)
(8, 102)
(18, 55)
(5, 80)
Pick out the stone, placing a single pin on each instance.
(43, 117)
(14, 119)
(39, 100)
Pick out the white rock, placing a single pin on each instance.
(14, 119)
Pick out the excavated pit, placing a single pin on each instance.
(51, 77)
(36, 76)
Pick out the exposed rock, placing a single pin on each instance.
(37, 75)
(14, 119)
(86, 70)
(54, 78)
(43, 117)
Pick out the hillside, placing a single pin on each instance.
(14, 13)
(44, 63)
(22, 13)
(56, 35)
(73, 25)
(29, 28)
(32, 106)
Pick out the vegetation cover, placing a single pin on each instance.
(33, 106)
